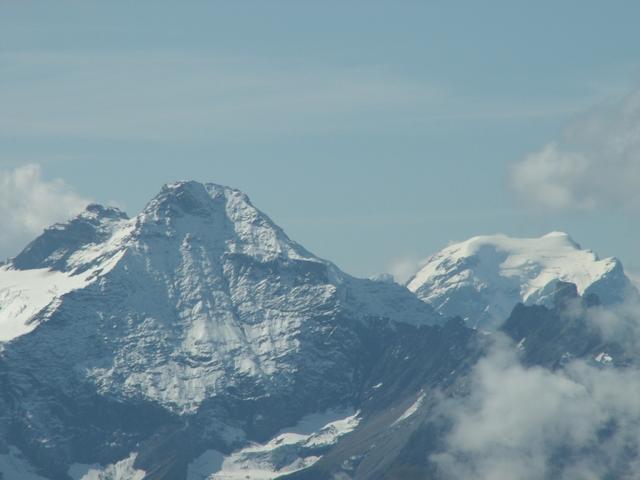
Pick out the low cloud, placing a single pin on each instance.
(523, 423)
(595, 164)
(620, 323)
(29, 202)
(634, 276)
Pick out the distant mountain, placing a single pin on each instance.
(198, 325)
(483, 278)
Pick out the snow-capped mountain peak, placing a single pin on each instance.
(483, 278)
(195, 295)
(53, 249)
(239, 226)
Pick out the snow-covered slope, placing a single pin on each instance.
(483, 278)
(64, 258)
(25, 293)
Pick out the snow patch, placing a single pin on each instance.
(411, 410)
(290, 450)
(603, 358)
(122, 470)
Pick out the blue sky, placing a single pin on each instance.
(373, 132)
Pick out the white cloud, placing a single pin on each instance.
(403, 268)
(618, 323)
(634, 276)
(519, 423)
(595, 164)
(28, 203)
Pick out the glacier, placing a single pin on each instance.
(483, 278)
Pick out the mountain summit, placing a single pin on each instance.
(200, 307)
(483, 278)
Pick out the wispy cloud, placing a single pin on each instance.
(172, 95)
(595, 164)
(184, 96)
(29, 202)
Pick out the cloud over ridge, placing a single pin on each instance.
(577, 422)
(29, 202)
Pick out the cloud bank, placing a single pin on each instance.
(581, 422)
(28, 203)
(595, 164)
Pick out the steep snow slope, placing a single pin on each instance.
(64, 258)
(24, 293)
(483, 278)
